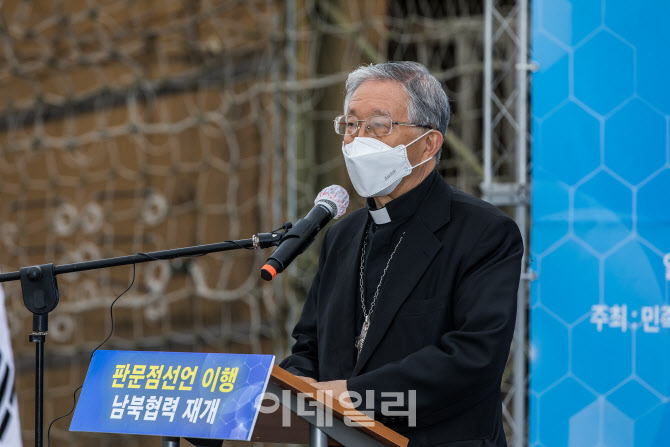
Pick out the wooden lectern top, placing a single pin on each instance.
(269, 425)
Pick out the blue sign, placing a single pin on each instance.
(173, 394)
(600, 240)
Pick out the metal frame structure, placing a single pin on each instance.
(512, 111)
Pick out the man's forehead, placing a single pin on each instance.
(352, 111)
(378, 98)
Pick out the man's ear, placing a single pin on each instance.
(433, 143)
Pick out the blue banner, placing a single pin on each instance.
(173, 394)
(600, 238)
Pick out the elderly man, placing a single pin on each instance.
(416, 292)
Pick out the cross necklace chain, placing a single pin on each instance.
(368, 314)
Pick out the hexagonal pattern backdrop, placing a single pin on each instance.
(600, 238)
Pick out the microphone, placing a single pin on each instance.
(331, 203)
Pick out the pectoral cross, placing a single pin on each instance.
(361, 338)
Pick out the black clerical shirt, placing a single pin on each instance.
(385, 227)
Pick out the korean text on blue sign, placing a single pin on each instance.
(181, 394)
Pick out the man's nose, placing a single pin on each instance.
(361, 130)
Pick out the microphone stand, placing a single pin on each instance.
(40, 293)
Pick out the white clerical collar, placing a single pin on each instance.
(380, 216)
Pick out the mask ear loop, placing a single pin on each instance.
(419, 164)
(417, 139)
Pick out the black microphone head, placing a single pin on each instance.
(335, 198)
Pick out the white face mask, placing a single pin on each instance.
(374, 167)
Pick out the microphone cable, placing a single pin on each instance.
(111, 331)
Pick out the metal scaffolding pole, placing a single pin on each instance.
(520, 374)
(291, 113)
(488, 87)
(506, 30)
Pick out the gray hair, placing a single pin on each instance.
(428, 103)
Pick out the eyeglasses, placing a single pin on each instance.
(377, 125)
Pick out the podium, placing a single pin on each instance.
(342, 430)
(288, 424)
(209, 397)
